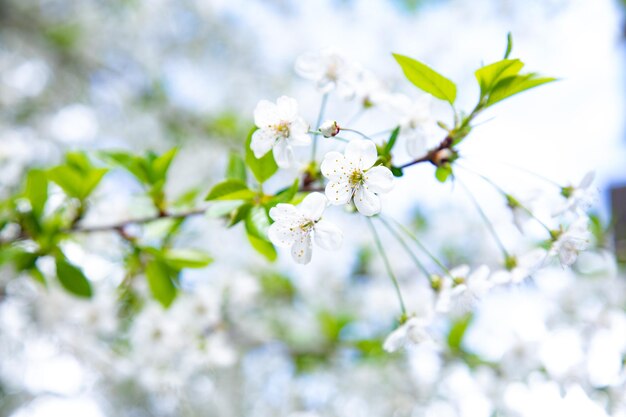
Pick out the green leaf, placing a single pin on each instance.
(77, 177)
(230, 190)
(186, 258)
(510, 86)
(397, 172)
(133, 164)
(457, 332)
(37, 191)
(284, 196)
(443, 172)
(73, 279)
(509, 45)
(427, 79)
(236, 169)
(489, 75)
(277, 286)
(257, 222)
(262, 168)
(238, 214)
(160, 282)
(392, 141)
(264, 247)
(161, 165)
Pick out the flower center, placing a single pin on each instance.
(307, 226)
(356, 178)
(282, 129)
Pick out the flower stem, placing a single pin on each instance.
(419, 244)
(506, 195)
(363, 135)
(393, 278)
(406, 248)
(485, 219)
(320, 116)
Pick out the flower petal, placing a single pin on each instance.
(396, 339)
(283, 154)
(334, 166)
(362, 153)
(327, 235)
(379, 179)
(262, 141)
(366, 202)
(287, 108)
(587, 180)
(265, 114)
(285, 213)
(301, 250)
(283, 234)
(313, 206)
(338, 192)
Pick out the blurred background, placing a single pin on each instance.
(306, 341)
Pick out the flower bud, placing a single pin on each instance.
(329, 128)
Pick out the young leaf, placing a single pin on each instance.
(443, 172)
(392, 141)
(186, 258)
(230, 190)
(133, 164)
(236, 169)
(284, 196)
(510, 86)
(161, 285)
(457, 332)
(238, 214)
(427, 79)
(161, 165)
(489, 75)
(263, 247)
(257, 222)
(73, 279)
(37, 191)
(509, 45)
(262, 168)
(397, 171)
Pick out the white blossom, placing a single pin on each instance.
(329, 128)
(578, 199)
(329, 70)
(353, 177)
(416, 122)
(524, 266)
(280, 128)
(412, 332)
(469, 287)
(293, 227)
(571, 242)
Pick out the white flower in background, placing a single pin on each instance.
(280, 128)
(293, 227)
(329, 70)
(524, 266)
(469, 288)
(370, 90)
(578, 199)
(412, 332)
(416, 122)
(329, 128)
(353, 176)
(571, 242)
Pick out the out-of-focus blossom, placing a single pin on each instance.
(329, 70)
(293, 227)
(413, 331)
(580, 198)
(571, 242)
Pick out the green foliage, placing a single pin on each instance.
(510, 86)
(489, 75)
(236, 168)
(230, 190)
(332, 324)
(186, 258)
(277, 286)
(392, 141)
(77, 177)
(72, 278)
(36, 191)
(443, 172)
(427, 79)
(457, 332)
(262, 168)
(160, 281)
(150, 170)
(284, 196)
(264, 247)
(509, 45)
